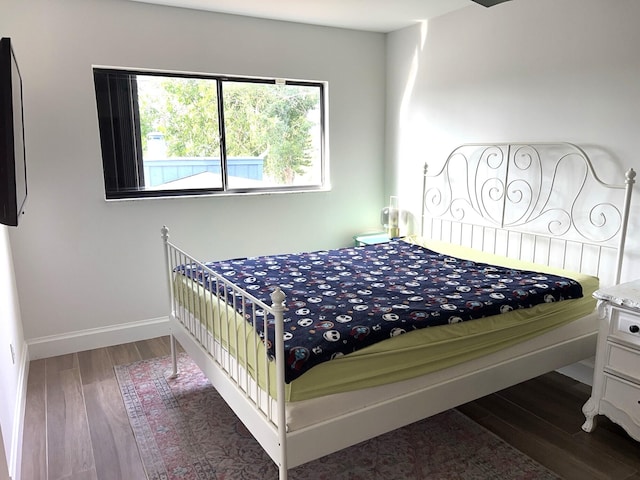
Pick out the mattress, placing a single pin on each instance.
(304, 413)
(408, 356)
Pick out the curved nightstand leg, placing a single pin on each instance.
(590, 411)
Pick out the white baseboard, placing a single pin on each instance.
(581, 371)
(54, 345)
(15, 458)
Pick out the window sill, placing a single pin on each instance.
(221, 194)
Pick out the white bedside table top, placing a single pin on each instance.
(624, 294)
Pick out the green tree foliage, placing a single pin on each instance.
(184, 110)
(191, 123)
(261, 120)
(289, 138)
(150, 116)
(246, 118)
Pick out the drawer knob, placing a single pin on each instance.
(634, 329)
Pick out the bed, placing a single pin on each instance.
(527, 213)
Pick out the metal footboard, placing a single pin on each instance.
(216, 322)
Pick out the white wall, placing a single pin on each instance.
(4, 467)
(527, 70)
(83, 263)
(12, 367)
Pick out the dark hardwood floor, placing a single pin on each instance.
(76, 427)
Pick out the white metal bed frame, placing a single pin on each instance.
(492, 176)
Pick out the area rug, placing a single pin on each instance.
(184, 430)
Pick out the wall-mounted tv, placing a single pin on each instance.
(13, 161)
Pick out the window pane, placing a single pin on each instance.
(180, 132)
(166, 134)
(272, 134)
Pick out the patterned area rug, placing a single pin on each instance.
(184, 430)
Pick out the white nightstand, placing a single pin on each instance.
(616, 377)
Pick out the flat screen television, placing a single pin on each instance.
(13, 161)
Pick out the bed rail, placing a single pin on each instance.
(222, 334)
(541, 202)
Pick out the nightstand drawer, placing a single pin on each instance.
(616, 376)
(624, 360)
(625, 325)
(623, 395)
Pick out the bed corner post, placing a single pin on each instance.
(424, 192)
(630, 180)
(277, 298)
(165, 242)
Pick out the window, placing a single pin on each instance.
(166, 134)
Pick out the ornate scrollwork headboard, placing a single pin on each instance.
(539, 201)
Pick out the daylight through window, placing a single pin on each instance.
(170, 134)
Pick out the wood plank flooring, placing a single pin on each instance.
(76, 427)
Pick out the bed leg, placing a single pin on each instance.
(174, 357)
(278, 306)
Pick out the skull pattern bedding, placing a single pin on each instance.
(341, 301)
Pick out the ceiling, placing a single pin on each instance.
(369, 15)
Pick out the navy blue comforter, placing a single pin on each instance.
(340, 301)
